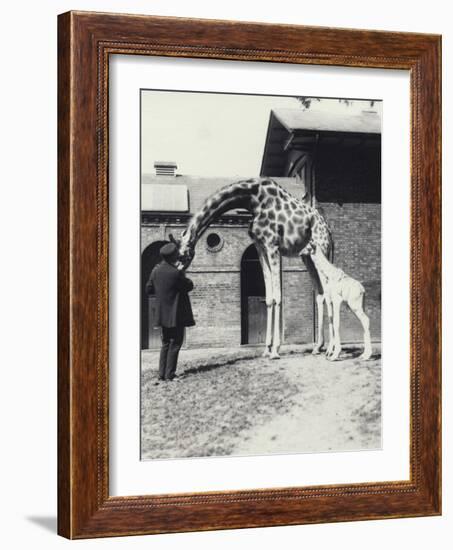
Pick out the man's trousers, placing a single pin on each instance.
(172, 339)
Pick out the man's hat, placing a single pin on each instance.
(168, 250)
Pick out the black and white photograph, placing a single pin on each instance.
(260, 274)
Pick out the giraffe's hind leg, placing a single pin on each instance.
(320, 299)
(320, 336)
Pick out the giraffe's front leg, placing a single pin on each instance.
(262, 255)
(275, 268)
(276, 339)
(268, 345)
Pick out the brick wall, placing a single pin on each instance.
(216, 298)
(216, 303)
(297, 302)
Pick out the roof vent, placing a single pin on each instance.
(165, 168)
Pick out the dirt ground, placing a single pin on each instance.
(234, 402)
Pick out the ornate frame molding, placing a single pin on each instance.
(86, 40)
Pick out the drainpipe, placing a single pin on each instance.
(313, 172)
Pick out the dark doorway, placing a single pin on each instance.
(253, 299)
(150, 334)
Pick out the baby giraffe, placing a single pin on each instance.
(338, 288)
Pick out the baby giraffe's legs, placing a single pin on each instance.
(336, 304)
(329, 350)
(356, 306)
(367, 350)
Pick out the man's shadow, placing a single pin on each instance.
(49, 523)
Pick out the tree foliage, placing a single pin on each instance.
(306, 101)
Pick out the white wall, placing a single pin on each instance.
(28, 253)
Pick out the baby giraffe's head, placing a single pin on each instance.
(309, 249)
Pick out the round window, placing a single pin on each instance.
(214, 242)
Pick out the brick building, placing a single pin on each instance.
(337, 159)
(228, 298)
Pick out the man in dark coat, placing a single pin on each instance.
(173, 309)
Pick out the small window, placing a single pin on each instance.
(214, 242)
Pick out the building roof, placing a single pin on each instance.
(200, 188)
(299, 129)
(362, 122)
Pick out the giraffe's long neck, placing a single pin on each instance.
(234, 195)
(323, 265)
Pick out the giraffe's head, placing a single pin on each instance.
(186, 250)
(310, 248)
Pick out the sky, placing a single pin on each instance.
(211, 134)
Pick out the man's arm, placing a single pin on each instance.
(184, 283)
(149, 287)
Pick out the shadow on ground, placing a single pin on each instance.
(48, 523)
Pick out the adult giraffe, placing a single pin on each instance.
(281, 225)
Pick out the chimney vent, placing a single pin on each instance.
(164, 168)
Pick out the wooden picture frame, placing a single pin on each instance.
(85, 41)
